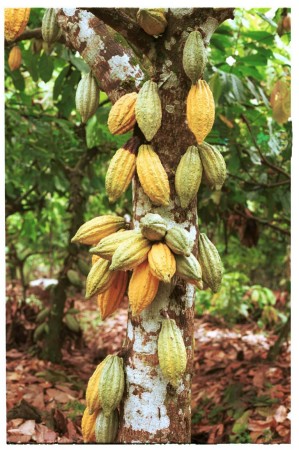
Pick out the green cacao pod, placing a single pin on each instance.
(171, 352)
(99, 278)
(148, 109)
(50, 28)
(122, 114)
(111, 384)
(188, 176)
(87, 97)
(214, 166)
(200, 110)
(92, 390)
(210, 261)
(153, 227)
(130, 253)
(179, 240)
(188, 268)
(152, 21)
(106, 427)
(91, 232)
(194, 56)
(107, 246)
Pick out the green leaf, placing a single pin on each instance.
(18, 80)
(258, 59)
(46, 67)
(79, 63)
(59, 82)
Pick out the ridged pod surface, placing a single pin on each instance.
(153, 227)
(189, 269)
(148, 109)
(91, 232)
(14, 58)
(130, 253)
(210, 261)
(162, 262)
(152, 21)
(99, 278)
(51, 31)
(94, 259)
(179, 240)
(109, 244)
(15, 21)
(121, 169)
(143, 288)
(122, 114)
(111, 384)
(92, 390)
(194, 56)
(188, 176)
(88, 426)
(200, 110)
(171, 352)
(109, 300)
(106, 427)
(87, 97)
(152, 175)
(213, 165)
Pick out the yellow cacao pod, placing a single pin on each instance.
(143, 288)
(188, 268)
(188, 176)
(111, 384)
(152, 21)
(94, 259)
(130, 253)
(214, 166)
(210, 261)
(109, 300)
(88, 426)
(122, 118)
(92, 390)
(148, 109)
(91, 232)
(106, 427)
(14, 58)
(179, 240)
(87, 97)
(121, 169)
(51, 31)
(153, 227)
(109, 244)
(171, 352)
(200, 110)
(152, 175)
(162, 262)
(99, 278)
(15, 21)
(194, 56)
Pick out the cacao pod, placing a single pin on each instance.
(122, 114)
(143, 288)
(15, 21)
(92, 390)
(50, 28)
(94, 259)
(109, 244)
(194, 56)
(210, 261)
(171, 352)
(153, 227)
(37, 45)
(14, 58)
(214, 166)
(200, 110)
(106, 427)
(188, 268)
(152, 21)
(109, 300)
(188, 176)
(111, 384)
(148, 109)
(94, 230)
(87, 97)
(121, 169)
(130, 253)
(162, 262)
(152, 175)
(72, 323)
(179, 240)
(99, 278)
(88, 426)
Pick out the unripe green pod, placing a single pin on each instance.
(148, 109)
(210, 261)
(87, 97)
(188, 176)
(194, 56)
(107, 246)
(179, 240)
(106, 427)
(153, 227)
(111, 384)
(130, 253)
(99, 278)
(50, 28)
(188, 268)
(214, 166)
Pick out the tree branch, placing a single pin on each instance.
(260, 185)
(263, 222)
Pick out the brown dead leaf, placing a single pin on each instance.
(281, 414)
(43, 435)
(59, 396)
(18, 439)
(27, 428)
(259, 379)
(260, 425)
(72, 432)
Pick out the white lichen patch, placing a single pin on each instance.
(130, 330)
(69, 11)
(91, 52)
(181, 12)
(86, 31)
(169, 44)
(121, 68)
(148, 346)
(189, 295)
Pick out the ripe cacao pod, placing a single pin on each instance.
(210, 261)
(188, 176)
(162, 262)
(152, 21)
(109, 300)
(200, 110)
(15, 21)
(94, 230)
(152, 175)
(94, 259)
(148, 109)
(14, 58)
(99, 278)
(92, 390)
(143, 288)
(179, 240)
(111, 384)
(87, 97)
(130, 253)
(194, 56)
(214, 166)
(88, 426)
(188, 268)
(109, 244)
(122, 118)
(153, 227)
(171, 352)
(121, 169)
(51, 31)
(106, 427)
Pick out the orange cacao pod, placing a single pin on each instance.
(88, 426)
(14, 58)
(109, 300)
(15, 21)
(122, 114)
(143, 288)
